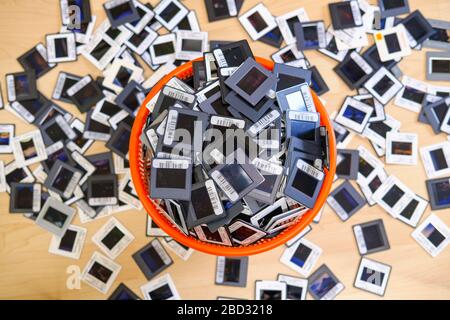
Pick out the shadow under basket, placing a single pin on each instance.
(140, 170)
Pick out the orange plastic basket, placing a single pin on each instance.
(140, 167)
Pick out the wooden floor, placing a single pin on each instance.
(28, 271)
